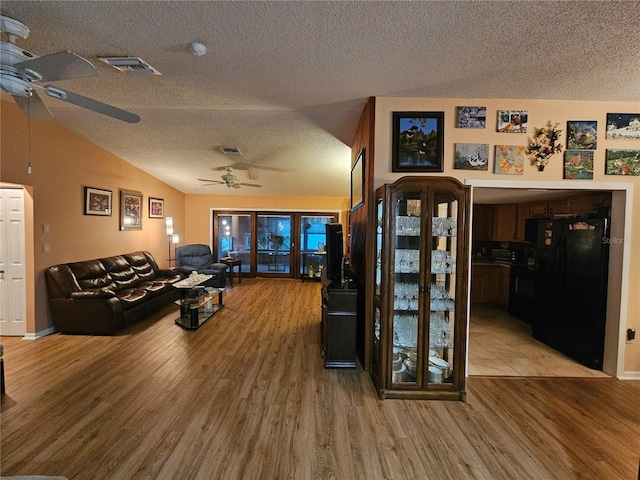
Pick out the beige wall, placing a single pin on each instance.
(198, 210)
(63, 164)
(540, 112)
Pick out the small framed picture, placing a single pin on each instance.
(130, 210)
(418, 142)
(156, 207)
(582, 135)
(471, 117)
(471, 156)
(623, 126)
(622, 162)
(509, 159)
(97, 201)
(578, 164)
(357, 182)
(513, 121)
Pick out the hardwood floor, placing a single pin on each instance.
(501, 345)
(246, 397)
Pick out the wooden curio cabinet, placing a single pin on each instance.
(420, 300)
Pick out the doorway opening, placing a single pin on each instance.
(494, 351)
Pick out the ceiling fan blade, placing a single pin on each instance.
(91, 104)
(249, 185)
(33, 106)
(207, 180)
(59, 66)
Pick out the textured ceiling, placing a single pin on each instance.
(285, 81)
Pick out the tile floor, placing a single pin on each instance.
(501, 345)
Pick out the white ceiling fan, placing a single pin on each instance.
(228, 179)
(21, 73)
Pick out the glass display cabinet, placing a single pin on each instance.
(418, 340)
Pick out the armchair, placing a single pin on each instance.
(198, 257)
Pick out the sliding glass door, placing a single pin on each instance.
(234, 238)
(313, 240)
(276, 244)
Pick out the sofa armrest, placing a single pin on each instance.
(93, 293)
(167, 272)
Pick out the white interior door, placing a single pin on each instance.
(12, 263)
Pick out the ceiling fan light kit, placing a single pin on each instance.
(20, 71)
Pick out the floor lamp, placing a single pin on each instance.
(173, 238)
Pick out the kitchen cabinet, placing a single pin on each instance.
(588, 204)
(490, 283)
(482, 222)
(418, 340)
(544, 209)
(505, 223)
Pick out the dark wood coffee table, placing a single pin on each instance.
(233, 262)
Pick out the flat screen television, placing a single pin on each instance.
(334, 250)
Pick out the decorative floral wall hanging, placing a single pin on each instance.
(543, 145)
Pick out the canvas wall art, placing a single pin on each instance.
(471, 117)
(513, 121)
(471, 156)
(582, 135)
(623, 126)
(509, 159)
(578, 164)
(622, 162)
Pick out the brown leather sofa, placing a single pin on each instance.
(100, 297)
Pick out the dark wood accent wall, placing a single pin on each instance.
(361, 233)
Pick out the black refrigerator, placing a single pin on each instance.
(571, 265)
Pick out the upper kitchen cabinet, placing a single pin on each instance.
(482, 222)
(544, 209)
(588, 203)
(505, 223)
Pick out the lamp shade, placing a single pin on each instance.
(169, 230)
(175, 238)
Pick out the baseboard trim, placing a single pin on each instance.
(629, 376)
(41, 333)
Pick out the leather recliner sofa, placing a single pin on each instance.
(102, 296)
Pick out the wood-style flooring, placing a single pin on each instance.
(247, 397)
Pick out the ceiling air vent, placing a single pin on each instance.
(232, 151)
(130, 65)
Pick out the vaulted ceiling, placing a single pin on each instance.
(285, 82)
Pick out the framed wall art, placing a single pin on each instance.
(156, 207)
(623, 126)
(509, 159)
(357, 182)
(513, 121)
(582, 135)
(622, 162)
(471, 156)
(418, 142)
(578, 164)
(97, 201)
(130, 210)
(471, 117)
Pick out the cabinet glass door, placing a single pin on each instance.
(442, 301)
(405, 289)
